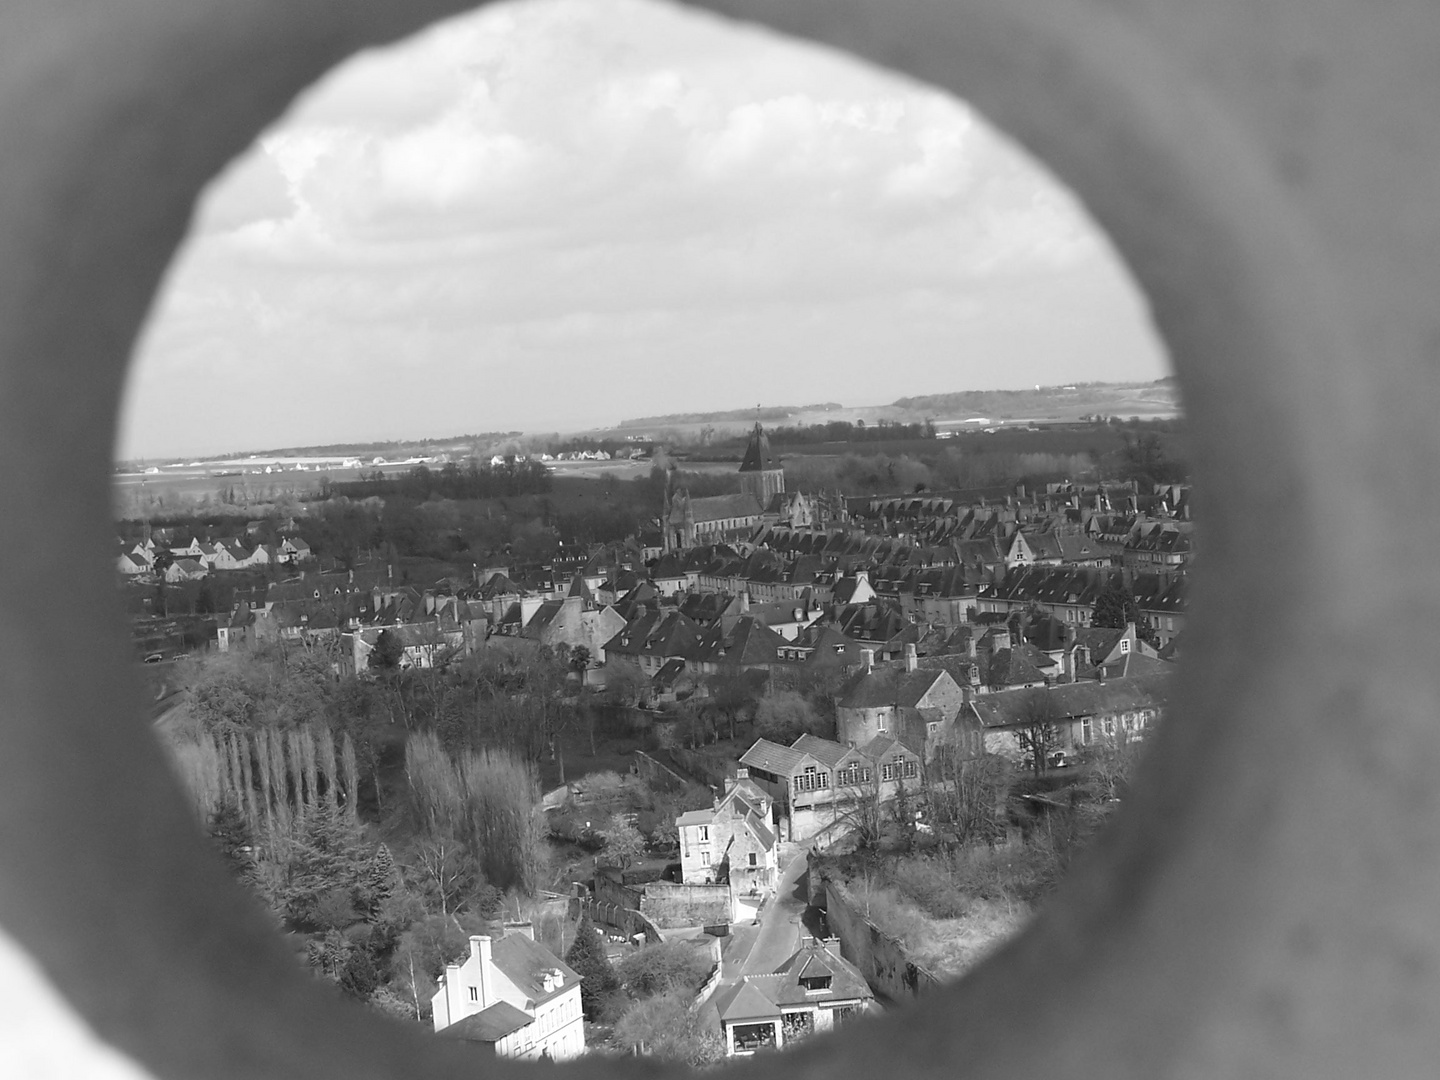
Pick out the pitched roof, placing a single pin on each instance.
(821, 749)
(812, 960)
(890, 686)
(881, 745)
(744, 1001)
(524, 962)
(761, 831)
(772, 757)
(490, 1024)
(757, 454)
(750, 641)
(716, 507)
(1071, 701)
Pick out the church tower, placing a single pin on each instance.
(760, 472)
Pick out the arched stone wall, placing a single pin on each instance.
(1269, 168)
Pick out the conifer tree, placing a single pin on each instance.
(379, 882)
(231, 834)
(587, 958)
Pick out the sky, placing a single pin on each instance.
(560, 214)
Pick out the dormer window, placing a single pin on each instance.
(815, 984)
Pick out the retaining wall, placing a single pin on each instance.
(686, 905)
(878, 956)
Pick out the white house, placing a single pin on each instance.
(514, 995)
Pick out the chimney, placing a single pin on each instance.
(867, 660)
(480, 950)
(745, 602)
(742, 773)
(970, 644)
(911, 661)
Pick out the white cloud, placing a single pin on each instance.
(569, 185)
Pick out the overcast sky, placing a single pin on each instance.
(561, 214)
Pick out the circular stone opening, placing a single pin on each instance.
(196, 984)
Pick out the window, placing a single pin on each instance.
(704, 858)
(911, 770)
(1087, 731)
(1124, 646)
(752, 858)
(1107, 725)
(887, 771)
(882, 722)
(474, 994)
(704, 834)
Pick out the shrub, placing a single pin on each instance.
(661, 968)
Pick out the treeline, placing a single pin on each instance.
(297, 775)
(949, 470)
(846, 431)
(514, 476)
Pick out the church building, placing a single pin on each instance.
(761, 474)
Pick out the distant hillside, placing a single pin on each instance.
(1068, 402)
(772, 414)
(1071, 400)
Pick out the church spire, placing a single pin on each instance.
(757, 455)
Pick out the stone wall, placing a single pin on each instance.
(686, 905)
(879, 957)
(610, 891)
(626, 920)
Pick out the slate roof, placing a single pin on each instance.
(772, 757)
(760, 829)
(1018, 666)
(760, 997)
(744, 1001)
(812, 960)
(885, 687)
(1070, 701)
(716, 507)
(881, 745)
(695, 817)
(757, 454)
(822, 750)
(752, 642)
(490, 1024)
(524, 962)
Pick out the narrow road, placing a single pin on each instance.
(780, 927)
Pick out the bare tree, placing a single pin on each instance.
(1038, 734)
(969, 793)
(447, 870)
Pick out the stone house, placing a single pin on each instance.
(819, 784)
(1082, 713)
(733, 842)
(898, 699)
